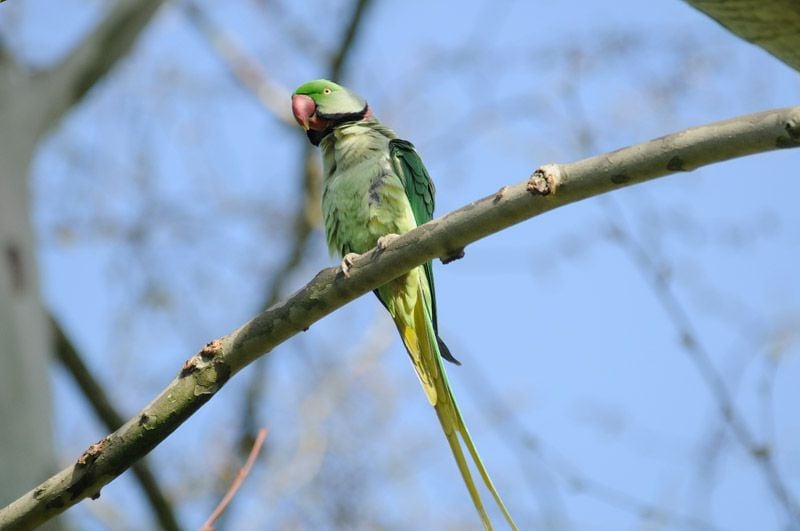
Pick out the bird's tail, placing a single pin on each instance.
(421, 342)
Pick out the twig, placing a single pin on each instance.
(253, 77)
(506, 420)
(548, 188)
(244, 68)
(328, 393)
(691, 344)
(68, 81)
(690, 340)
(339, 59)
(306, 220)
(209, 525)
(94, 393)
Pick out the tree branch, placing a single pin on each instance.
(69, 357)
(702, 361)
(773, 25)
(691, 343)
(512, 430)
(339, 59)
(549, 187)
(243, 67)
(252, 76)
(306, 219)
(7, 59)
(68, 81)
(237, 482)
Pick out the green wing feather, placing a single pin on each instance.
(420, 192)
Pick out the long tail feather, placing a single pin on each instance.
(422, 344)
(463, 467)
(482, 469)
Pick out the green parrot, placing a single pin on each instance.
(375, 188)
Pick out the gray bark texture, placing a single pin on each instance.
(771, 24)
(26, 440)
(31, 103)
(549, 187)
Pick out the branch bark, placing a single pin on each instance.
(7, 60)
(68, 355)
(63, 85)
(773, 25)
(306, 219)
(549, 187)
(31, 104)
(252, 76)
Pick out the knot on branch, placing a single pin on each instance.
(93, 452)
(792, 128)
(452, 256)
(545, 180)
(211, 350)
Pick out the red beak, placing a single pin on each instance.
(303, 108)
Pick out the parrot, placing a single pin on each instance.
(376, 187)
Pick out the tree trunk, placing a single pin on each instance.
(30, 105)
(26, 436)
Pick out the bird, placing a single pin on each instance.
(375, 188)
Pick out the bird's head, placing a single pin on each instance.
(320, 105)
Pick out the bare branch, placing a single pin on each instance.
(774, 25)
(253, 77)
(339, 59)
(68, 81)
(697, 353)
(549, 187)
(244, 68)
(690, 340)
(240, 477)
(328, 394)
(249, 71)
(7, 59)
(307, 217)
(69, 357)
(526, 446)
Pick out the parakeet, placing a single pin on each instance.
(376, 187)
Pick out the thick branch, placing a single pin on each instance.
(7, 60)
(68, 81)
(307, 216)
(548, 188)
(68, 355)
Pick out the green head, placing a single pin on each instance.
(320, 105)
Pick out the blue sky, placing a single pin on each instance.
(169, 160)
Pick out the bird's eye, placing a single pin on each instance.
(326, 91)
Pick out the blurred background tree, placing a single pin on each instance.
(628, 361)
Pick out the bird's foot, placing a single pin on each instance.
(347, 263)
(385, 240)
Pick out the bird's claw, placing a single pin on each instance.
(385, 240)
(347, 263)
